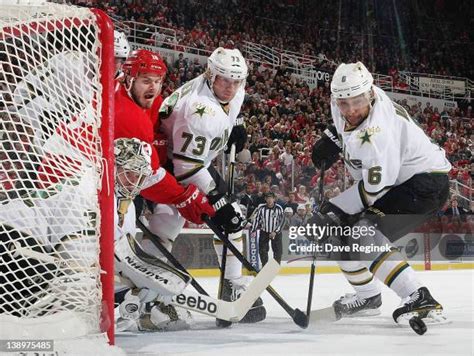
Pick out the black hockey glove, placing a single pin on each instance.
(327, 148)
(328, 215)
(238, 136)
(228, 216)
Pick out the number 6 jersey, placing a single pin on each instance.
(384, 151)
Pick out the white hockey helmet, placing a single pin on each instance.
(350, 80)
(228, 63)
(121, 45)
(132, 156)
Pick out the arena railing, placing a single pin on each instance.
(461, 191)
(437, 86)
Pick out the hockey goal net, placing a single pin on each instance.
(56, 214)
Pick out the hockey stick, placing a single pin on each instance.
(52, 263)
(323, 316)
(313, 263)
(19, 251)
(230, 311)
(204, 304)
(155, 240)
(297, 315)
(230, 191)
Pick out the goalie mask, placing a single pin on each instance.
(229, 64)
(133, 165)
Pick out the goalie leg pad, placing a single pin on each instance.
(146, 271)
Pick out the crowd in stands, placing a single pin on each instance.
(428, 36)
(283, 116)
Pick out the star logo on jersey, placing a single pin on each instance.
(201, 110)
(365, 137)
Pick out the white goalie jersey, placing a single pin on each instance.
(198, 128)
(385, 150)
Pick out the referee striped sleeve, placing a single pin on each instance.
(257, 217)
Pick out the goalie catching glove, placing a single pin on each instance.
(327, 148)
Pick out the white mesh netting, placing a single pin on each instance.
(50, 164)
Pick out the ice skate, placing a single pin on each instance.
(420, 304)
(351, 305)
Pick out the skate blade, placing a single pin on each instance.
(434, 317)
(363, 313)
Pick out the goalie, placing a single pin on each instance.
(141, 279)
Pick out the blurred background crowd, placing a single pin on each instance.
(283, 116)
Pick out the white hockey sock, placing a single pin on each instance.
(406, 283)
(360, 278)
(390, 268)
(233, 268)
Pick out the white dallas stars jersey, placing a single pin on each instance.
(385, 150)
(197, 127)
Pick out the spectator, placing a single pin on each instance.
(301, 195)
(292, 201)
(244, 156)
(247, 200)
(288, 215)
(455, 211)
(301, 217)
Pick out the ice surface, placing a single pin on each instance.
(278, 335)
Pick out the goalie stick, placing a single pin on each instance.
(155, 240)
(297, 315)
(231, 311)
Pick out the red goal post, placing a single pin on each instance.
(56, 175)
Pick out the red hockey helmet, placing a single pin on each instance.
(144, 61)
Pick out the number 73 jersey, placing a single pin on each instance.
(197, 127)
(384, 151)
